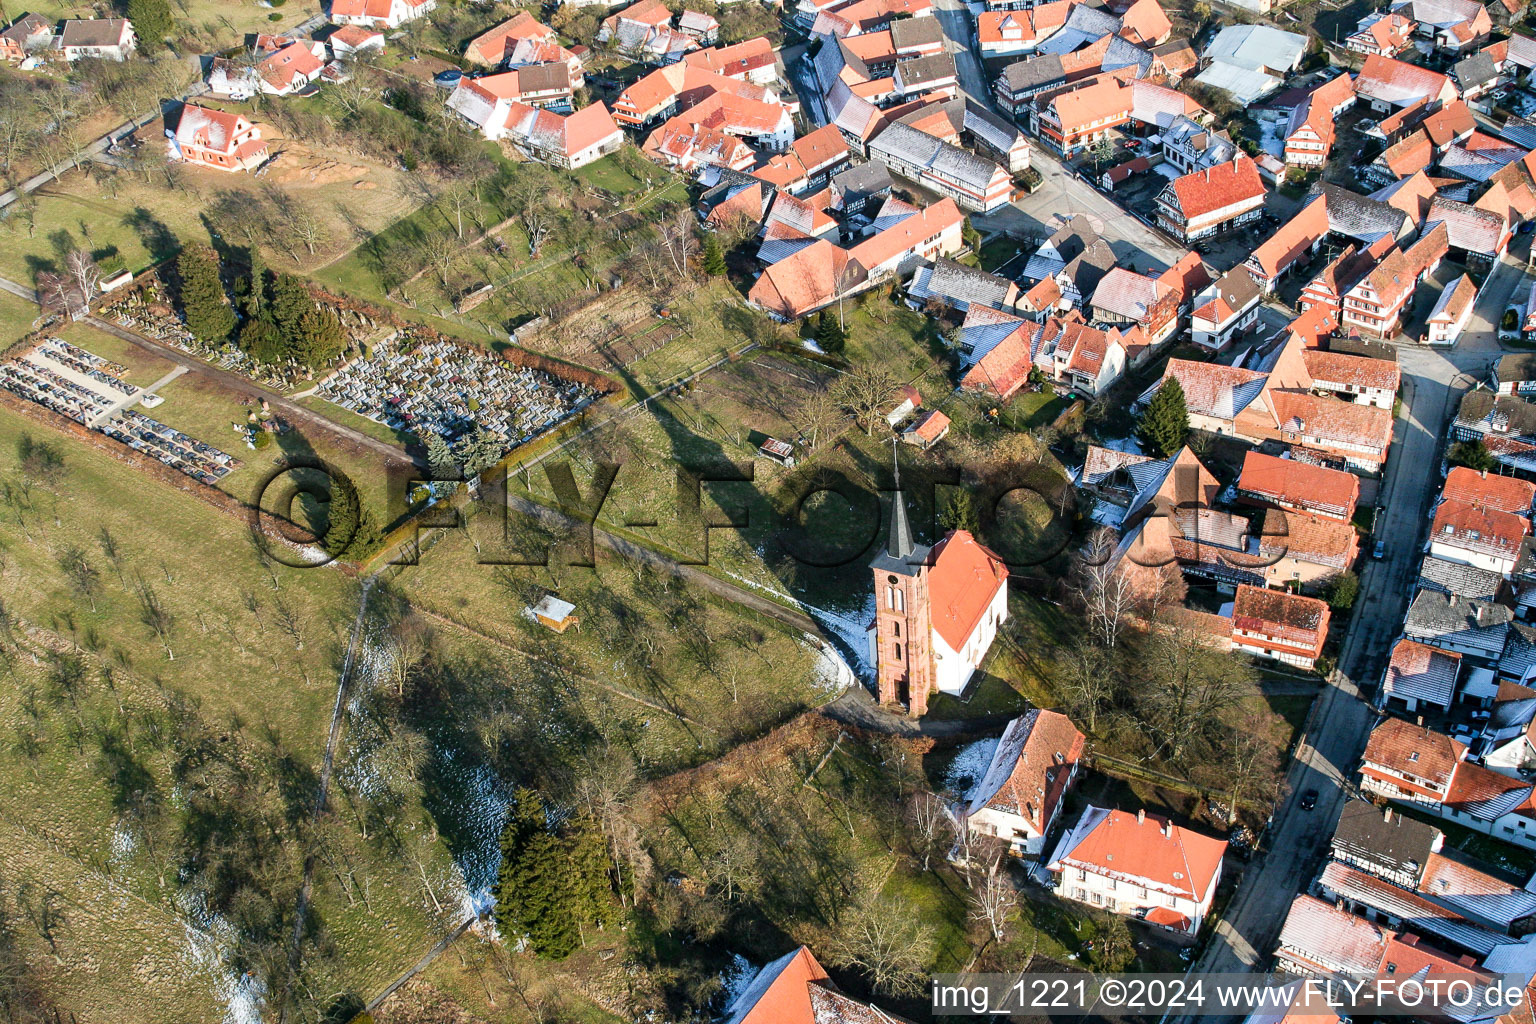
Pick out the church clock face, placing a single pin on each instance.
(893, 581)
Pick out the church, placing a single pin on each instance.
(937, 610)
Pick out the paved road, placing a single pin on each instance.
(1336, 731)
(1063, 194)
(960, 35)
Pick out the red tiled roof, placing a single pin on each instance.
(1332, 420)
(1278, 613)
(1292, 238)
(1300, 483)
(1361, 371)
(964, 579)
(1218, 187)
(1414, 750)
(1150, 847)
(1479, 527)
(1500, 492)
(492, 47)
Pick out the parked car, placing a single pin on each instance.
(1308, 800)
(1379, 551)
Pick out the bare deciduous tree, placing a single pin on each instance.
(993, 896)
(888, 947)
(1105, 591)
(933, 826)
(865, 391)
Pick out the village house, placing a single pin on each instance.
(25, 36)
(1139, 865)
(495, 106)
(1385, 34)
(1452, 25)
(1125, 299)
(1389, 85)
(1310, 134)
(1515, 374)
(959, 287)
(753, 61)
(1020, 797)
(1066, 349)
(1428, 770)
(1072, 121)
(937, 611)
(1216, 199)
(1298, 486)
(1359, 379)
(380, 13)
(1476, 534)
(795, 989)
(520, 42)
(973, 182)
(98, 38)
(348, 41)
(1298, 550)
(1418, 674)
(644, 30)
(696, 96)
(1453, 309)
(215, 138)
(1283, 627)
(1224, 309)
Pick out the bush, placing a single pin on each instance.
(1510, 320)
(274, 16)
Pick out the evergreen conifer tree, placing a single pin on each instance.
(254, 295)
(261, 339)
(317, 338)
(829, 334)
(209, 317)
(1164, 427)
(350, 532)
(959, 512)
(714, 256)
(440, 456)
(152, 22)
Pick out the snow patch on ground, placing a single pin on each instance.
(209, 939)
(849, 632)
(832, 673)
(1272, 133)
(480, 808)
(123, 844)
(969, 766)
(735, 979)
(812, 346)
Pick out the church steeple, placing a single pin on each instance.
(899, 545)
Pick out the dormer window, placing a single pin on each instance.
(1413, 757)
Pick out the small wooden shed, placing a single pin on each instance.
(555, 614)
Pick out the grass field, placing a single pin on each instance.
(16, 316)
(125, 220)
(255, 649)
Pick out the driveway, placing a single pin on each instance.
(1329, 752)
(1062, 194)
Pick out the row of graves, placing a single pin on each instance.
(90, 390)
(415, 384)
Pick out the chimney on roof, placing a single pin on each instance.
(1483, 473)
(1141, 816)
(1166, 828)
(1419, 721)
(1386, 815)
(1477, 613)
(1452, 600)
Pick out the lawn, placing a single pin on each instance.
(16, 317)
(255, 648)
(1004, 256)
(1030, 409)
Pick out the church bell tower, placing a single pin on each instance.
(903, 619)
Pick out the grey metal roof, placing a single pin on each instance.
(958, 281)
(1519, 650)
(1466, 581)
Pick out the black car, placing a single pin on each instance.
(1309, 800)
